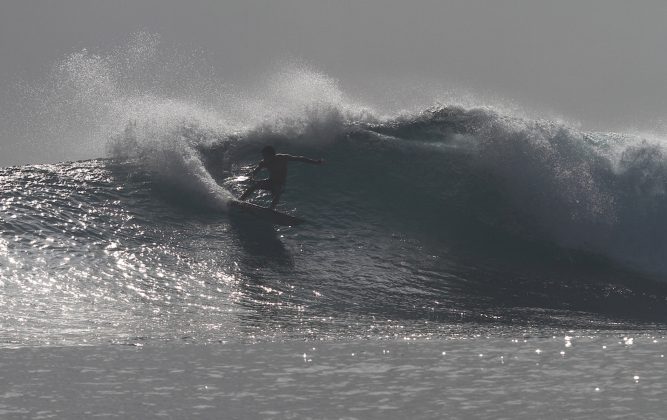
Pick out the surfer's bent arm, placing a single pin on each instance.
(305, 159)
(258, 168)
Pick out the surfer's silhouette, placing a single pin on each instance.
(276, 164)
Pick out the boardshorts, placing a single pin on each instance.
(270, 185)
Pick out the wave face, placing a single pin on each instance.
(416, 225)
(602, 193)
(419, 223)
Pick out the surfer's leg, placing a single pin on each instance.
(276, 198)
(276, 191)
(263, 184)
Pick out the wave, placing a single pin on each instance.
(599, 192)
(411, 219)
(447, 170)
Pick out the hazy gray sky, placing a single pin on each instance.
(601, 62)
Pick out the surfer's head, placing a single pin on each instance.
(268, 152)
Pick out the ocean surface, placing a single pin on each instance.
(457, 261)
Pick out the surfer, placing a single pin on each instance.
(276, 164)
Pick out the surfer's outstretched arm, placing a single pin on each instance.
(305, 159)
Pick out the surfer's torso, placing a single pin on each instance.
(277, 167)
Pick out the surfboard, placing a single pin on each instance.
(265, 213)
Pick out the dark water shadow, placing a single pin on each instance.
(260, 242)
(496, 272)
(532, 282)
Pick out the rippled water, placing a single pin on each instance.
(96, 252)
(571, 376)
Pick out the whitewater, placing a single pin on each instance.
(459, 260)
